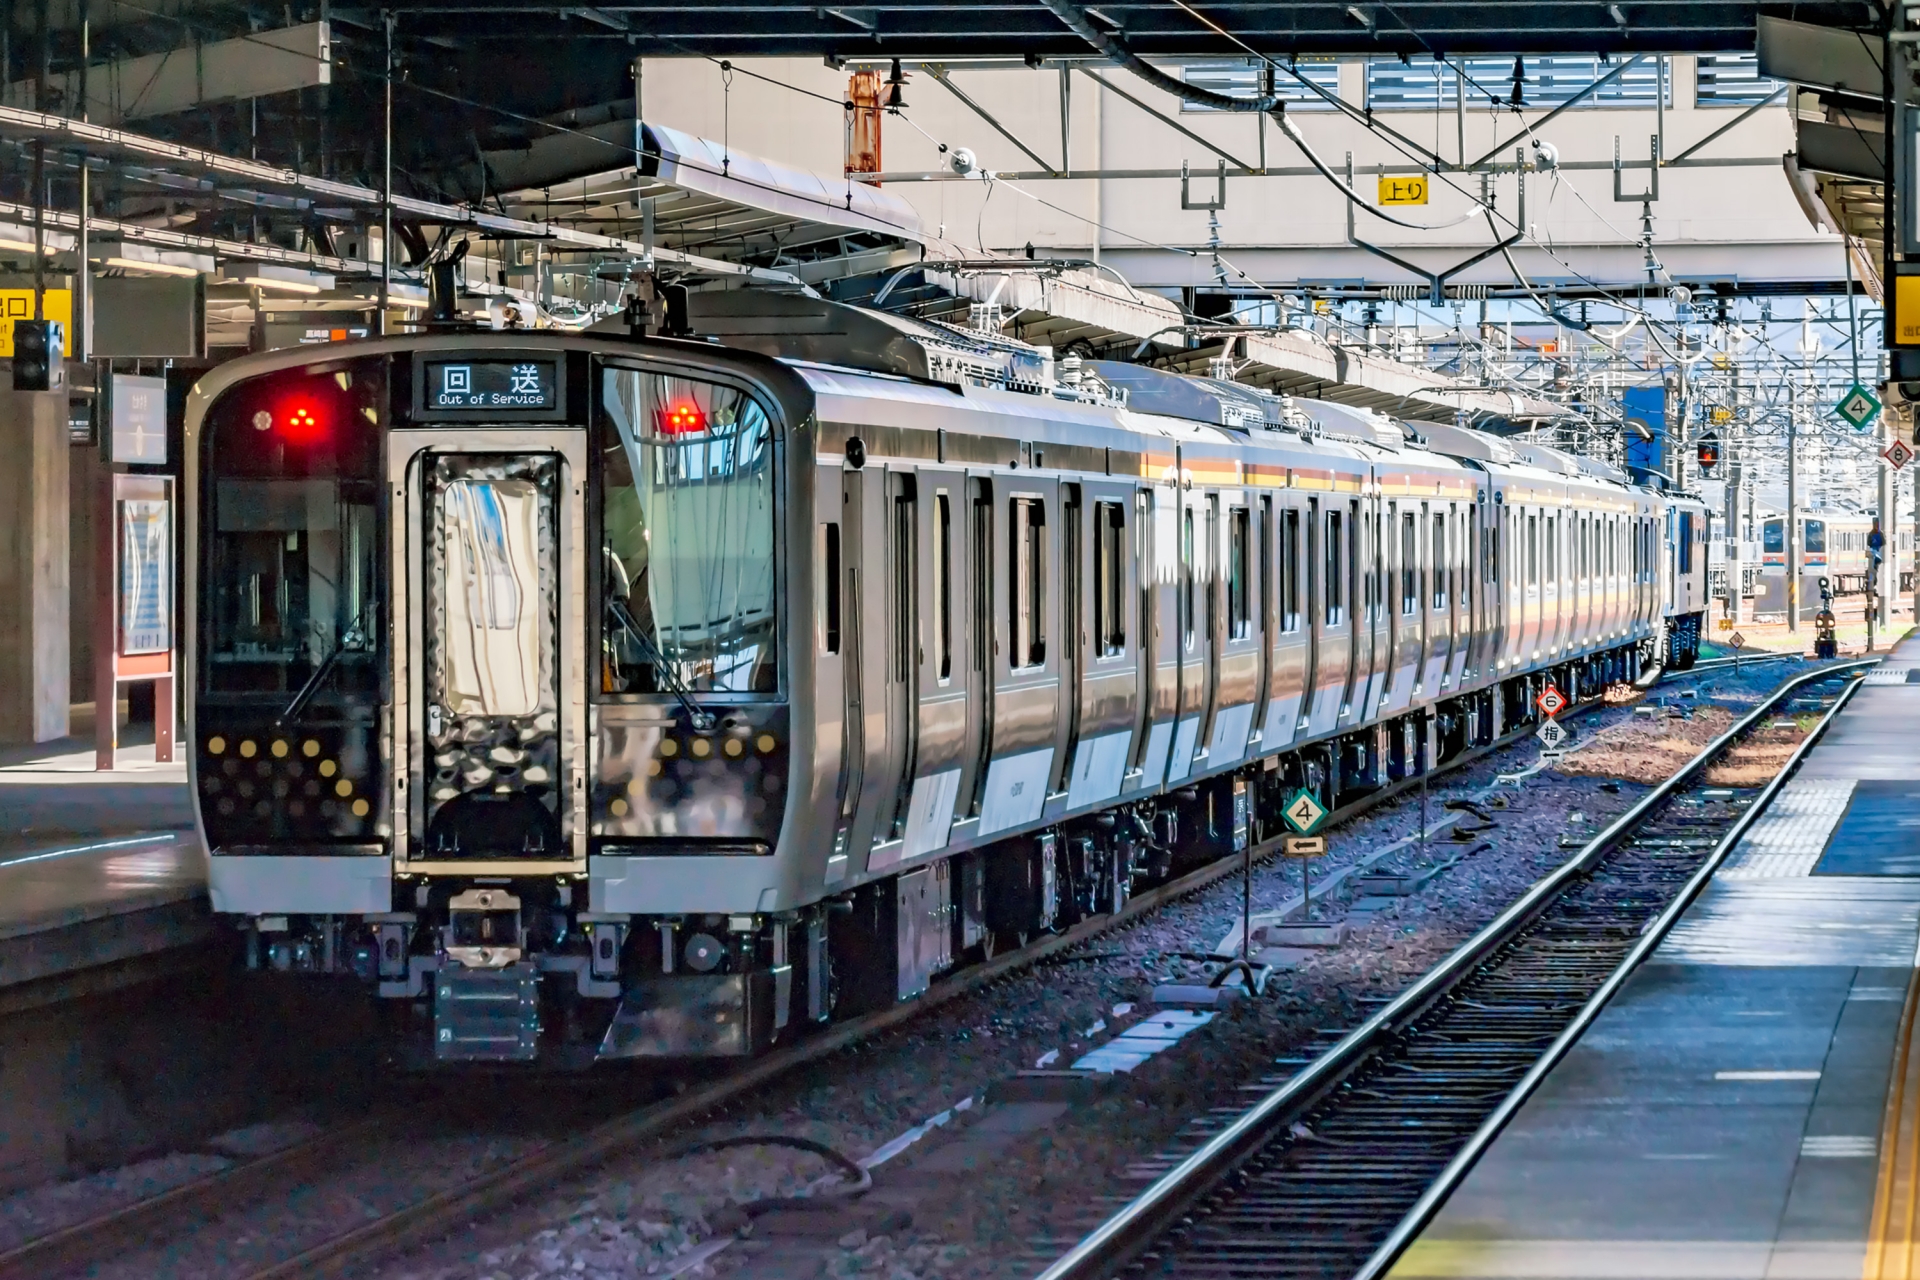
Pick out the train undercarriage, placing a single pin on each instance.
(520, 972)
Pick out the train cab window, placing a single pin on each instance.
(943, 583)
(1409, 557)
(1442, 567)
(1816, 534)
(1239, 573)
(1109, 579)
(830, 587)
(1773, 537)
(1290, 570)
(1027, 541)
(293, 559)
(687, 536)
(1686, 542)
(1336, 572)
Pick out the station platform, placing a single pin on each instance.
(1748, 1107)
(101, 882)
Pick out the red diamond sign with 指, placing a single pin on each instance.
(1898, 454)
(1551, 701)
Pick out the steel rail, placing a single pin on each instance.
(1122, 1237)
(1417, 1218)
(156, 1218)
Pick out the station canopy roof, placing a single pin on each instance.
(1150, 28)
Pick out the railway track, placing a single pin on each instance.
(87, 1244)
(1337, 1168)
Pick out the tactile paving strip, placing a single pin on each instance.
(1788, 839)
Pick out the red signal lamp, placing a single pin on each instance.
(682, 418)
(300, 424)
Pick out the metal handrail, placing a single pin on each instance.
(1117, 1240)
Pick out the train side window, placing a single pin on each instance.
(1409, 536)
(1239, 571)
(1026, 538)
(1109, 579)
(943, 582)
(1290, 570)
(1442, 567)
(1533, 551)
(1336, 584)
(830, 587)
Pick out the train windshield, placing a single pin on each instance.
(291, 543)
(687, 564)
(1816, 537)
(1773, 537)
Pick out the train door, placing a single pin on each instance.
(1239, 633)
(490, 758)
(1157, 560)
(1107, 621)
(1027, 658)
(1403, 601)
(931, 650)
(1198, 532)
(876, 694)
(1376, 619)
(1330, 561)
(1438, 598)
(1292, 653)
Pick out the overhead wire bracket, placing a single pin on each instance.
(1437, 280)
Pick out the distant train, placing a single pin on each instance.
(592, 696)
(1833, 546)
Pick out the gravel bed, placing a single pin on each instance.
(930, 1214)
(661, 1213)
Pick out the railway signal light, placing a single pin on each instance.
(37, 347)
(682, 418)
(1708, 452)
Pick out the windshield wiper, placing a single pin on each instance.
(702, 720)
(354, 639)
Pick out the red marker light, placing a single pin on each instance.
(299, 424)
(682, 419)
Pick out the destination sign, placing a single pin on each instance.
(492, 384)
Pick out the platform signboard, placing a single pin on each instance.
(1303, 813)
(1858, 407)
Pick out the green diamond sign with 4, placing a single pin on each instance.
(1303, 813)
(1858, 407)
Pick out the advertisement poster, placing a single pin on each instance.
(146, 577)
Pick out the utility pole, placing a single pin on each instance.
(1791, 544)
(1736, 567)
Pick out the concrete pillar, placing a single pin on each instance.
(34, 638)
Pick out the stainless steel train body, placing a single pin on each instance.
(595, 698)
(1833, 546)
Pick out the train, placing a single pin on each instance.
(1833, 550)
(614, 696)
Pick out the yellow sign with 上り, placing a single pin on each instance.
(1906, 310)
(1719, 414)
(17, 304)
(1403, 190)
